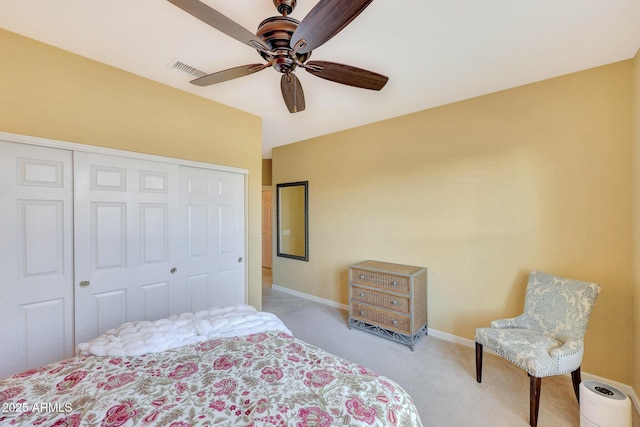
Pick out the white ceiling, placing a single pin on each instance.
(433, 51)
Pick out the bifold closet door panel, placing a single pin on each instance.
(213, 257)
(36, 259)
(126, 215)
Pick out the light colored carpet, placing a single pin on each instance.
(439, 375)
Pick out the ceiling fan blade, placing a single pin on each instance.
(326, 19)
(220, 22)
(292, 92)
(230, 74)
(346, 74)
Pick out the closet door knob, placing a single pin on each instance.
(173, 270)
(84, 284)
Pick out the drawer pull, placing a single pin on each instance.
(394, 283)
(395, 322)
(363, 294)
(362, 276)
(361, 312)
(394, 302)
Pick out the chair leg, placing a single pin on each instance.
(479, 362)
(534, 399)
(575, 378)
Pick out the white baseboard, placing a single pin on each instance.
(452, 338)
(625, 388)
(310, 297)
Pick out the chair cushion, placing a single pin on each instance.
(530, 350)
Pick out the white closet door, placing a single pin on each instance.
(125, 230)
(36, 256)
(213, 255)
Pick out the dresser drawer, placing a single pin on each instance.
(381, 280)
(380, 299)
(385, 319)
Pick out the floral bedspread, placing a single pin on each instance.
(263, 379)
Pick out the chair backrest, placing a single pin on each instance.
(557, 306)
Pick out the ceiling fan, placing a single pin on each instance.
(286, 43)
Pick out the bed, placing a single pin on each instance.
(230, 366)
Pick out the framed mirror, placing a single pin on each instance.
(292, 219)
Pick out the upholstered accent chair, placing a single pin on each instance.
(548, 337)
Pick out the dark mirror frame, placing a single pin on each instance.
(304, 184)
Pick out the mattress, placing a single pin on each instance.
(213, 376)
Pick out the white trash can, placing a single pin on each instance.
(603, 406)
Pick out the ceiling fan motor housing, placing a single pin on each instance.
(276, 32)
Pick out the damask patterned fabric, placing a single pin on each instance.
(258, 380)
(548, 337)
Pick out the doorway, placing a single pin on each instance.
(267, 238)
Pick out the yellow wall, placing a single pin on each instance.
(480, 192)
(51, 93)
(636, 198)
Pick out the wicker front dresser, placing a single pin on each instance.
(389, 300)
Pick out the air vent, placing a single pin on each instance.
(188, 69)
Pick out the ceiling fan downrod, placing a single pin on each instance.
(285, 7)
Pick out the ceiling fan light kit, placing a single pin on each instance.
(286, 43)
